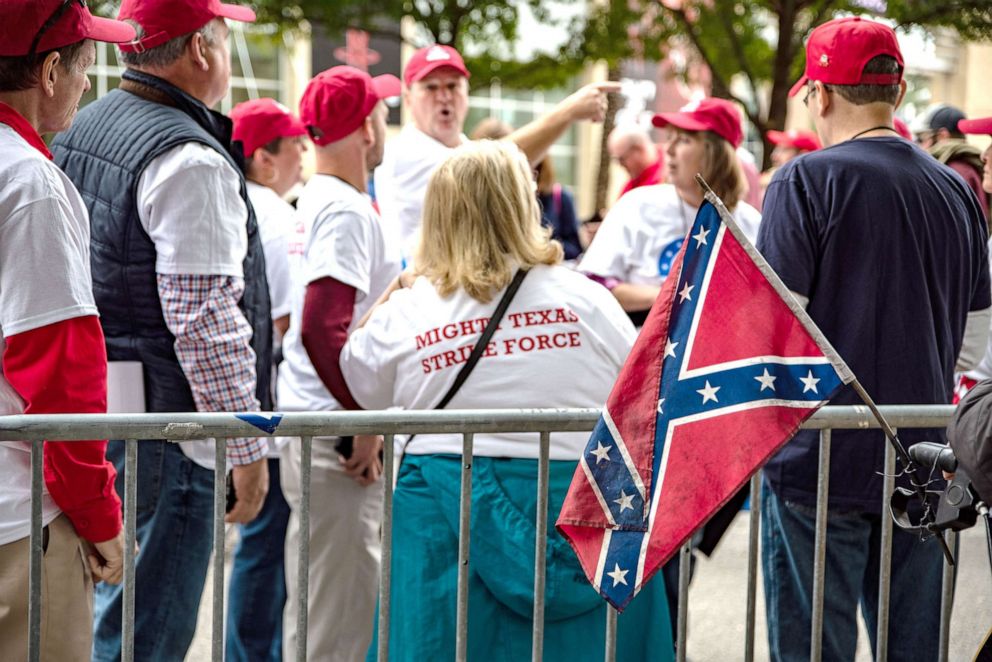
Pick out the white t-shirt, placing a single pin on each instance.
(275, 225)
(44, 279)
(342, 239)
(189, 202)
(643, 232)
(561, 344)
(401, 182)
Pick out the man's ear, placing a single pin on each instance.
(902, 93)
(368, 131)
(50, 73)
(197, 49)
(823, 98)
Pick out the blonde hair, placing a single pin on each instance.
(482, 222)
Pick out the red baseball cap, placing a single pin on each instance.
(163, 20)
(23, 20)
(431, 59)
(981, 126)
(804, 141)
(902, 128)
(338, 100)
(260, 121)
(838, 51)
(710, 114)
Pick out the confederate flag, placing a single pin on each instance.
(727, 367)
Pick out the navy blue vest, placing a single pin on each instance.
(110, 144)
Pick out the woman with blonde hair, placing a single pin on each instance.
(644, 230)
(485, 264)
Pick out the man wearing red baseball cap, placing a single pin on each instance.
(982, 127)
(342, 269)
(180, 283)
(53, 356)
(273, 141)
(886, 249)
(435, 90)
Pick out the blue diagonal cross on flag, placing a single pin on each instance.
(723, 373)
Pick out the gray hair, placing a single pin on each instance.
(167, 53)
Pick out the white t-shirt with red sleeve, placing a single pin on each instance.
(561, 343)
(341, 238)
(44, 279)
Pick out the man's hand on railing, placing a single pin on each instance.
(365, 463)
(106, 559)
(251, 484)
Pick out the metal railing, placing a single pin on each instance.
(134, 428)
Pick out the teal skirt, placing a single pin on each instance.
(501, 571)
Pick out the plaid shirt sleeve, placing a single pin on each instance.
(212, 344)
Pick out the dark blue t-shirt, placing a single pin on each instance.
(889, 246)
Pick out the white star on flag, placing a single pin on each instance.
(670, 348)
(618, 576)
(661, 403)
(708, 392)
(625, 501)
(809, 382)
(686, 293)
(700, 236)
(601, 452)
(766, 380)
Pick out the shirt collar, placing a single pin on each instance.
(23, 128)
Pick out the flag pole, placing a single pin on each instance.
(843, 370)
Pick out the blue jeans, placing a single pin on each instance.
(257, 592)
(852, 559)
(174, 515)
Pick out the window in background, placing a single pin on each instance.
(256, 62)
(517, 108)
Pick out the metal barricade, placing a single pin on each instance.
(134, 428)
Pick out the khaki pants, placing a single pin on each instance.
(66, 597)
(344, 556)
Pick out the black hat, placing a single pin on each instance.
(939, 116)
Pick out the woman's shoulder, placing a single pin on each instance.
(572, 286)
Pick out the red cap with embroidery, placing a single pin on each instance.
(981, 126)
(338, 100)
(838, 51)
(260, 121)
(804, 141)
(430, 59)
(163, 20)
(711, 114)
(38, 26)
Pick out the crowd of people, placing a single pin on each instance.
(428, 271)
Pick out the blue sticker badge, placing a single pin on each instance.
(668, 254)
(264, 423)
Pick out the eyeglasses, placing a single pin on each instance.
(52, 20)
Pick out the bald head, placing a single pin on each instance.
(632, 147)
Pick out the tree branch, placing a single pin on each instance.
(943, 11)
(720, 85)
(738, 48)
